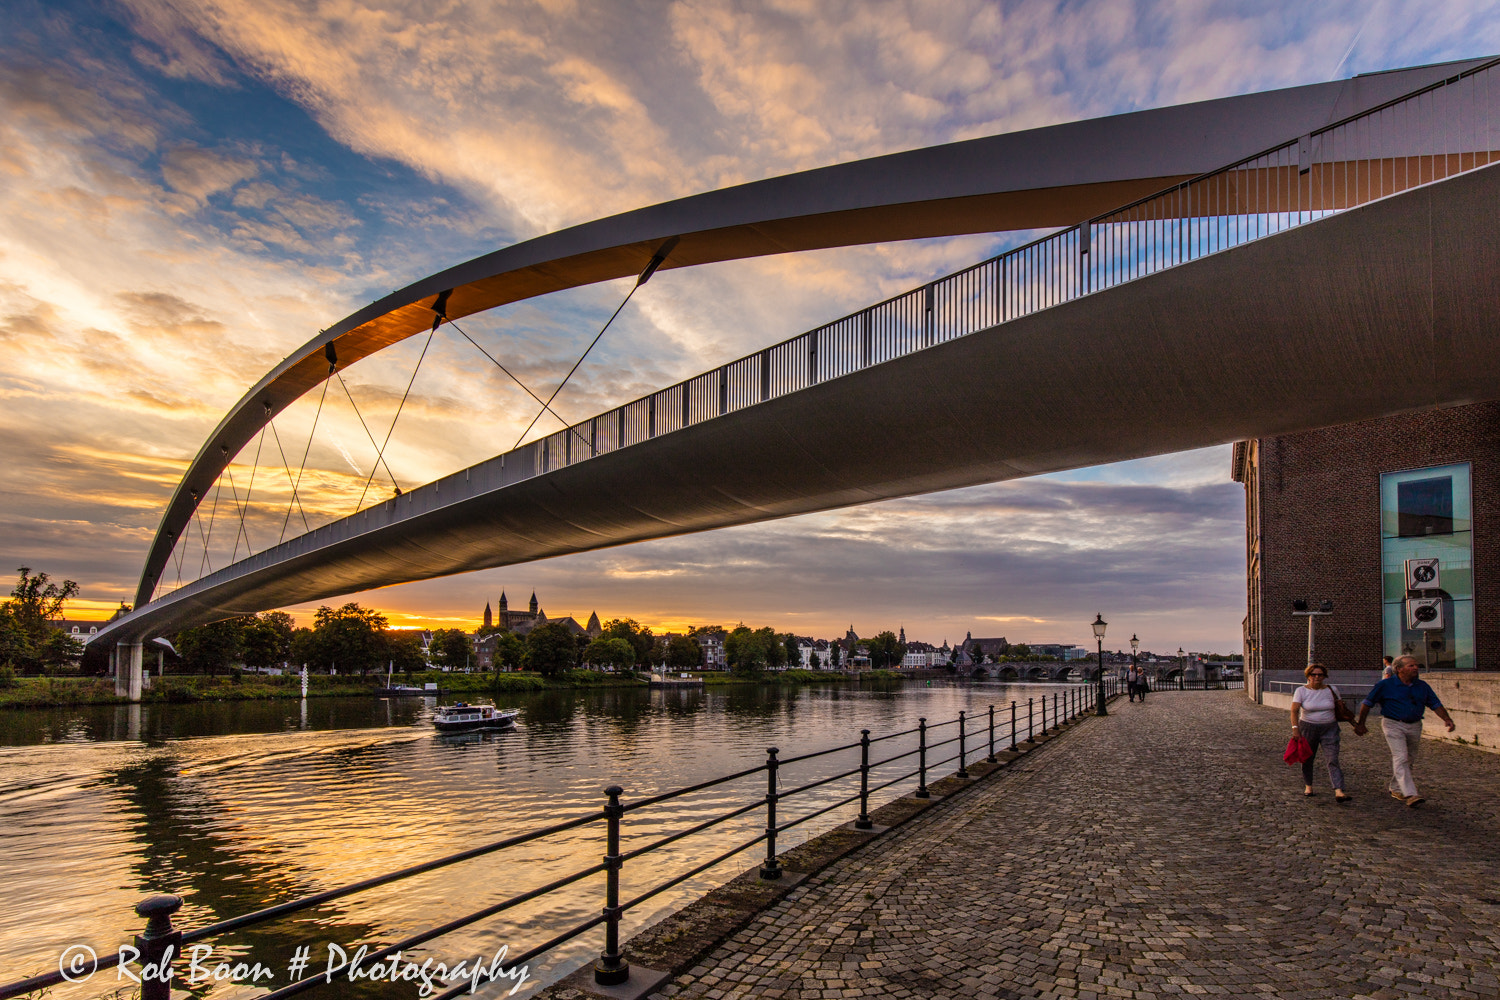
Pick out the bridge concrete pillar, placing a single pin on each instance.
(128, 658)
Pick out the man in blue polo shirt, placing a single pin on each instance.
(1402, 700)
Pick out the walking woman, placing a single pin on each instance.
(1315, 717)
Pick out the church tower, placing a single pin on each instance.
(533, 602)
(594, 629)
(489, 619)
(902, 638)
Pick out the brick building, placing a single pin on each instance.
(1335, 514)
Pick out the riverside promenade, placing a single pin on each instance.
(1163, 851)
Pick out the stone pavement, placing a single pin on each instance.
(1163, 851)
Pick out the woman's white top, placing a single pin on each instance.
(1317, 703)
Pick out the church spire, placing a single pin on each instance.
(489, 618)
(504, 606)
(533, 602)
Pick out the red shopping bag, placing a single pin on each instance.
(1297, 750)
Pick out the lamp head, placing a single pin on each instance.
(1299, 605)
(1179, 651)
(1326, 607)
(1099, 626)
(1135, 644)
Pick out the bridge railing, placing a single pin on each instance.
(960, 740)
(1448, 128)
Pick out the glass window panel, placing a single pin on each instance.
(1455, 567)
(1424, 514)
(1424, 507)
(1390, 502)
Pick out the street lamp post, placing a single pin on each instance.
(1099, 626)
(1181, 669)
(1135, 649)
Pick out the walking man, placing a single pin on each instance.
(1402, 700)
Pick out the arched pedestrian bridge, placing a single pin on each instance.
(1273, 263)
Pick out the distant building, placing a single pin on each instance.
(522, 622)
(80, 630)
(712, 644)
(972, 651)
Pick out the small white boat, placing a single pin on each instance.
(462, 718)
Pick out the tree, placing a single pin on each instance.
(1021, 650)
(267, 639)
(604, 652)
(813, 661)
(793, 650)
(450, 648)
(749, 652)
(835, 654)
(550, 649)
(683, 652)
(885, 649)
(403, 650)
(27, 637)
(213, 647)
(349, 637)
(640, 639)
(510, 651)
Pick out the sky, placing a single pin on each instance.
(192, 190)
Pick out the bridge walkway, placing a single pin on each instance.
(1163, 851)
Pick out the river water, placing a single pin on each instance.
(240, 805)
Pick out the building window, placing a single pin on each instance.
(1426, 514)
(1424, 507)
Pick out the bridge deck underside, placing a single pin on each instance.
(1382, 309)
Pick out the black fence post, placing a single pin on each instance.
(611, 969)
(1030, 715)
(863, 823)
(157, 945)
(1044, 714)
(922, 792)
(771, 869)
(1056, 714)
(963, 772)
(1014, 746)
(991, 757)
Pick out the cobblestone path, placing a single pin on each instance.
(1165, 850)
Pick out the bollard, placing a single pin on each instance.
(1014, 747)
(1056, 716)
(1030, 715)
(611, 969)
(963, 772)
(772, 867)
(863, 823)
(1044, 715)
(991, 757)
(157, 945)
(922, 792)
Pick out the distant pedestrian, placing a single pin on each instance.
(1402, 700)
(1142, 683)
(1127, 676)
(1389, 670)
(1315, 717)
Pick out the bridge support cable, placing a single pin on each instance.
(378, 459)
(250, 488)
(213, 513)
(297, 484)
(380, 452)
(517, 381)
(234, 494)
(657, 260)
(290, 481)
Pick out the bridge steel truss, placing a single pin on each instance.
(1386, 305)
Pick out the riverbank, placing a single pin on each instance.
(63, 692)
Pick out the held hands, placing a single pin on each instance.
(1360, 729)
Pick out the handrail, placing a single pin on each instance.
(614, 859)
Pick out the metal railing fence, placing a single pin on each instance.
(961, 743)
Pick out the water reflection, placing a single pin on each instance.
(238, 805)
